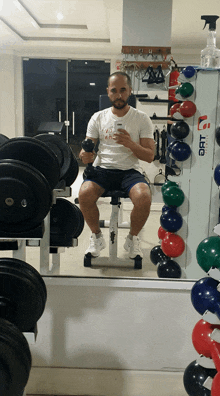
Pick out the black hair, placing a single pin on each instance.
(120, 73)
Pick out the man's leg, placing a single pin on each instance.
(88, 196)
(140, 196)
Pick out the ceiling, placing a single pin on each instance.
(92, 27)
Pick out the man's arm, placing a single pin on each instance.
(87, 158)
(144, 150)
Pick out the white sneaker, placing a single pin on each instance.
(133, 246)
(95, 245)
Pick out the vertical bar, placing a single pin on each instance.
(67, 99)
(73, 124)
(59, 116)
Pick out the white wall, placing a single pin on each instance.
(118, 325)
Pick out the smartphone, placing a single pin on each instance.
(118, 125)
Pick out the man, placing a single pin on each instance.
(117, 163)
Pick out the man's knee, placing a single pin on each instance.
(89, 192)
(140, 194)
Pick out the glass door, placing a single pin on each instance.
(64, 91)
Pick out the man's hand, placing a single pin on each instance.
(86, 157)
(123, 137)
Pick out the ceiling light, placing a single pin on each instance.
(17, 4)
(59, 16)
(34, 24)
(91, 83)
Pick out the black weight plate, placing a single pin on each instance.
(80, 222)
(3, 139)
(15, 360)
(60, 148)
(24, 290)
(73, 171)
(65, 218)
(25, 196)
(35, 153)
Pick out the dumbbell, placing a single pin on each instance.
(22, 301)
(88, 145)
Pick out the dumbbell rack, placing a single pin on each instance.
(200, 210)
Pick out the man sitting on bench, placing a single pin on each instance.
(125, 136)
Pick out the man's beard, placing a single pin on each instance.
(120, 105)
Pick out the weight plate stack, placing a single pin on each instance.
(23, 293)
(35, 153)
(15, 360)
(66, 219)
(69, 167)
(25, 197)
(3, 139)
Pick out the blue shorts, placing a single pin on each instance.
(115, 179)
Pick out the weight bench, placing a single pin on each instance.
(113, 261)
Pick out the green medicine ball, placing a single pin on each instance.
(173, 196)
(208, 253)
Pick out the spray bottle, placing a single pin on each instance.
(210, 56)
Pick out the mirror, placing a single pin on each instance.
(17, 46)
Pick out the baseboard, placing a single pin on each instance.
(96, 382)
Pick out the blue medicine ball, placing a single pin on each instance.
(171, 220)
(189, 71)
(217, 175)
(168, 207)
(180, 151)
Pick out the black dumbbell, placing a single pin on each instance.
(88, 145)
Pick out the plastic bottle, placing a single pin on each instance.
(210, 55)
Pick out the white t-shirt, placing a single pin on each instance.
(112, 155)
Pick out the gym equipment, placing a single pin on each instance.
(22, 293)
(171, 221)
(3, 139)
(88, 145)
(69, 167)
(185, 90)
(157, 255)
(25, 197)
(159, 178)
(113, 260)
(208, 253)
(167, 184)
(15, 360)
(175, 111)
(173, 245)
(205, 296)
(179, 130)
(166, 207)
(195, 377)
(215, 385)
(161, 232)
(203, 342)
(168, 269)
(189, 71)
(35, 153)
(163, 159)
(187, 109)
(180, 151)
(217, 175)
(217, 135)
(66, 223)
(173, 196)
(157, 141)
